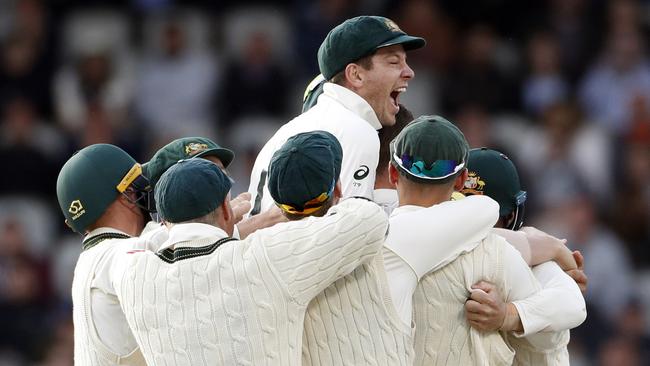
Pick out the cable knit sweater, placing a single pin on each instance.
(101, 333)
(205, 300)
(443, 335)
(354, 322)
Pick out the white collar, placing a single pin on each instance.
(385, 195)
(192, 235)
(353, 102)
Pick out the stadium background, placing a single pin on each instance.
(562, 86)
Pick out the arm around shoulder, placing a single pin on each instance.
(308, 255)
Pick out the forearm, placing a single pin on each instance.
(542, 312)
(518, 240)
(263, 220)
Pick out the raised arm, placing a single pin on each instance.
(308, 255)
(429, 238)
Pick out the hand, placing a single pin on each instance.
(265, 219)
(241, 205)
(485, 310)
(578, 274)
(548, 246)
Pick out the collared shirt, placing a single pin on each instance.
(192, 235)
(345, 115)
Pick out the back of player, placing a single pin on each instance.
(443, 335)
(101, 192)
(207, 299)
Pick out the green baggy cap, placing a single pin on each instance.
(190, 189)
(429, 149)
(184, 148)
(359, 37)
(307, 166)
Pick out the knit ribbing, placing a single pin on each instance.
(244, 304)
(443, 336)
(353, 322)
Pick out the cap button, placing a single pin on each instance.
(293, 149)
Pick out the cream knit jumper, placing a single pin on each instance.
(92, 273)
(443, 335)
(205, 300)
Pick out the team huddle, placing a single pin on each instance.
(367, 237)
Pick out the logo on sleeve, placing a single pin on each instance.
(362, 172)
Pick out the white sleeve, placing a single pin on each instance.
(359, 165)
(309, 255)
(558, 306)
(430, 238)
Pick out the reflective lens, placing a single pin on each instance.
(439, 169)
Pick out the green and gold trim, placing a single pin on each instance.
(94, 240)
(174, 255)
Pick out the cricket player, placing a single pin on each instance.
(206, 298)
(428, 160)
(366, 316)
(364, 61)
(493, 174)
(201, 147)
(103, 195)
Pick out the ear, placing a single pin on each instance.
(226, 210)
(338, 190)
(393, 174)
(459, 183)
(353, 75)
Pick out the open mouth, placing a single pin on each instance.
(394, 95)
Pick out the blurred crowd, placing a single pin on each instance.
(561, 86)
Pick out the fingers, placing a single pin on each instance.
(472, 306)
(580, 260)
(482, 317)
(484, 285)
(246, 196)
(581, 279)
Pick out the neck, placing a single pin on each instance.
(424, 196)
(123, 220)
(382, 182)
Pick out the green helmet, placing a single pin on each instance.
(92, 179)
(493, 174)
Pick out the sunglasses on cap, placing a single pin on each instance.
(439, 169)
(310, 206)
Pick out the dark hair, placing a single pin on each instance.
(388, 133)
(365, 62)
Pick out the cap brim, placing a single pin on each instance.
(409, 42)
(226, 156)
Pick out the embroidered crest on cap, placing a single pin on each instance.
(194, 148)
(392, 25)
(473, 184)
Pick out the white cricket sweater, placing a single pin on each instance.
(242, 302)
(443, 335)
(101, 333)
(354, 322)
(344, 114)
